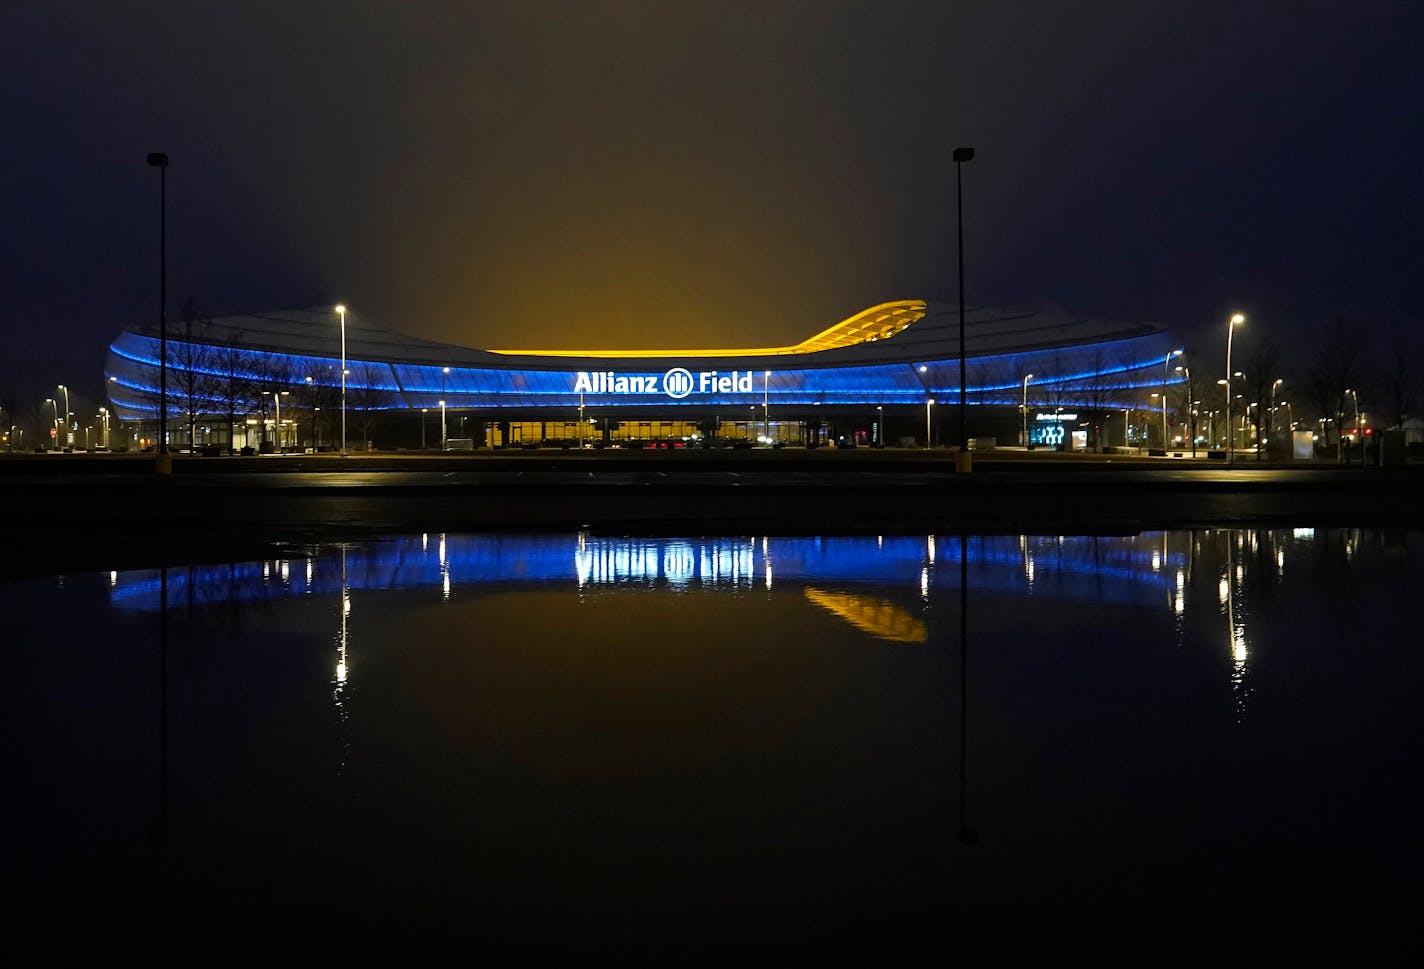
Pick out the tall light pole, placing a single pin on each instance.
(104, 415)
(1236, 320)
(929, 402)
(159, 160)
(341, 312)
(766, 406)
(443, 439)
(1166, 376)
(1271, 419)
(55, 436)
(1024, 409)
(67, 440)
(961, 155)
(423, 412)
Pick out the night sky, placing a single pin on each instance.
(686, 173)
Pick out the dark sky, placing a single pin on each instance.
(686, 173)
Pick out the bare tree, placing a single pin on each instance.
(234, 386)
(190, 379)
(1335, 369)
(1263, 368)
(367, 396)
(1399, 383)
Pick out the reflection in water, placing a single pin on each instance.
(1113, 570)
(541, 714)
(879, 617)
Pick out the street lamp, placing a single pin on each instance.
(961, 155)
(1023, 409)
(766, 405)
(54, 437)
(423, 412)
(929, 402)
(1236, 320)
(159, 160)
(1166, 376)
(68, 436)
(277, 397)
(104, 416)
(880, 424)
(443, 445)
(341, 311)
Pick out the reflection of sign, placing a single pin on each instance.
(677, 383)
(1056, 417)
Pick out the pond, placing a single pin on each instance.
(1207, 738)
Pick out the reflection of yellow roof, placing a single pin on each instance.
(877, 323)
(882, 619)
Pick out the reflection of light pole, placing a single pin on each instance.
(443, 439)
(1236, 320)
(341, 311)
(1024, 409)
(929, 402)
(1165, 377)
(961, 155)
(159, 160)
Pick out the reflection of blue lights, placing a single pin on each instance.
(1105, 569)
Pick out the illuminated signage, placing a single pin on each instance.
(677, 383)
(1055, 418)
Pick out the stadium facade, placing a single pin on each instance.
(887, 375)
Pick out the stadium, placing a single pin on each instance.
(887, 376)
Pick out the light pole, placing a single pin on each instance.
(1271, 418)
(277, 397)
(341, 312)
(159, 160)
(929, 402)
(104, 415)
(443, 445)
(961, 155)
(54, 437)
(766, 406)
(68, 436)
(1166, 376)
(1357, 433)
(1023, 408)
(1236, 320)
(880, 424)
(423, 412)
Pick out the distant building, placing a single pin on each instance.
(878, 369)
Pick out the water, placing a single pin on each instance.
(1203, 739)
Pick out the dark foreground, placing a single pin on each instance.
(71, 506)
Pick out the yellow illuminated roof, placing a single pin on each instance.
(880, 618)
(877, 323)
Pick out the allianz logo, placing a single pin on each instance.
(677, 383)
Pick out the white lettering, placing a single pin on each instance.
(581, 384)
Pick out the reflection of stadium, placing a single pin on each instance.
(869, 379)
(1135, 570)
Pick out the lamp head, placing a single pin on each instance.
(1237, 319)
(158, 159)
(963, 154)
(341, 308)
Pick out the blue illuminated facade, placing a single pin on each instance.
(233, 366)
